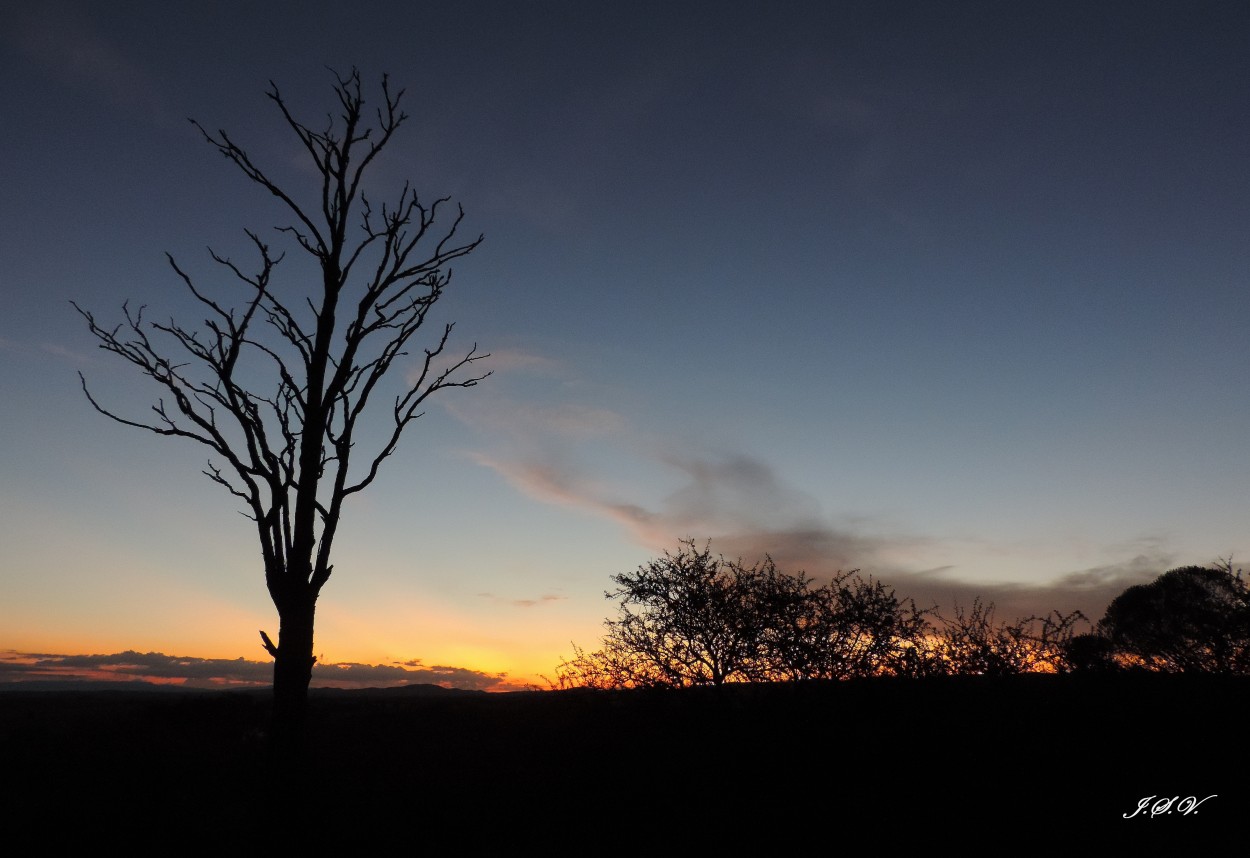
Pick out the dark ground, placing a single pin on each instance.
(1031, 765)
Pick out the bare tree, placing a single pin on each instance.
(290, 452)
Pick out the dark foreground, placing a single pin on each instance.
(1029, 765)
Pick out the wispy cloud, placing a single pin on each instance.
(531, 426)
(747, 511)
(558, 454)
(736, 501)
(559, 483)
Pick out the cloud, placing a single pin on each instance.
(742, 506)
(586, 458)
(1088, 590)
(734, 492)
(412, 672)
(62, 39)
(526, 420)
(1143, 566)
(561, 484)
(736, 501)
(151, 667)
(217, 673)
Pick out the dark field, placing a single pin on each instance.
(1029, 765)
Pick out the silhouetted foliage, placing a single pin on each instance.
(1091, 653)
(1193, 618)
(973, 643)
(1053, 637)
(325, 348)
(851, 627)
(688, 619)
(693, 619)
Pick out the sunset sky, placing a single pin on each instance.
(953, 293)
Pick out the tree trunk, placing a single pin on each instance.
(292, 671)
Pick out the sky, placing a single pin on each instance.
(955, 294)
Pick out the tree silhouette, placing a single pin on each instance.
(1193, 618)
(693, 619)
(294, 452)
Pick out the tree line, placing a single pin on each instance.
(691, 618)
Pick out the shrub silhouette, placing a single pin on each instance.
(972, 643)
(693, 619)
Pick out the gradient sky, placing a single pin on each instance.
(954, 293)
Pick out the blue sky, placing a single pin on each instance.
(952, 293)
